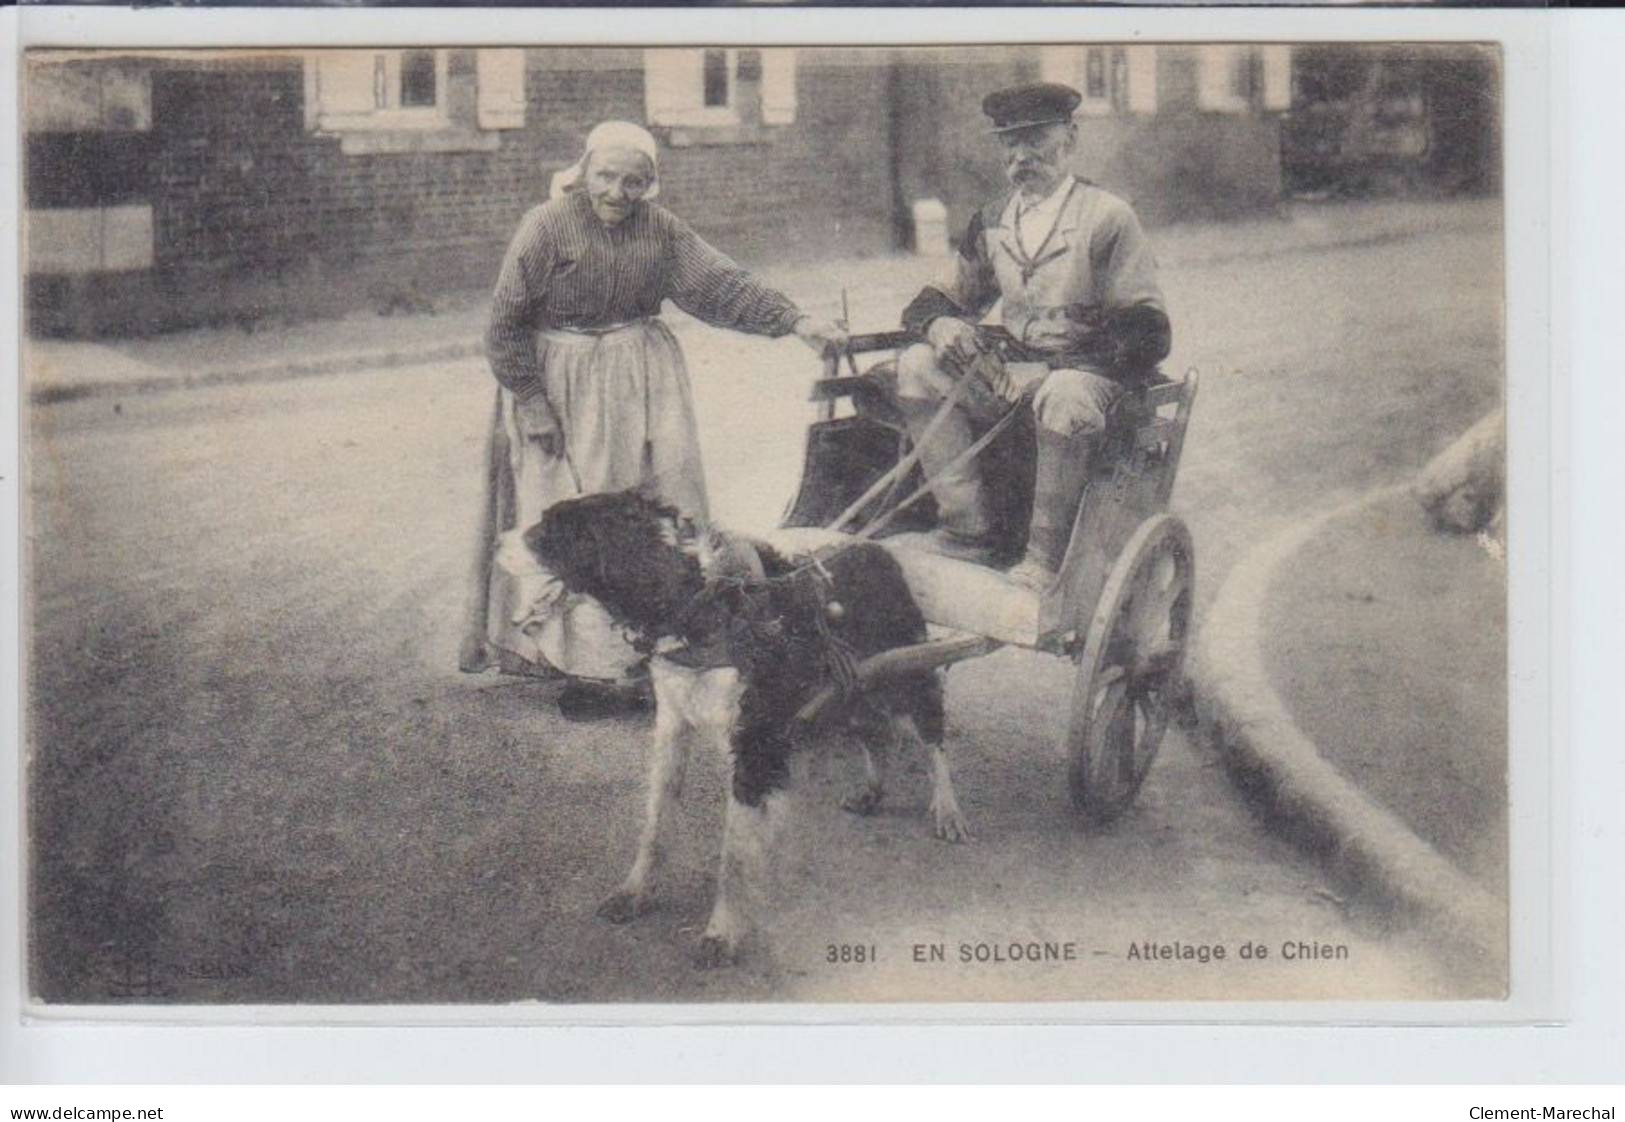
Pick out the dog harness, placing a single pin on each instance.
(753, 616)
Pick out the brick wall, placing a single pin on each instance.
(945, 150)
(821, 185)
(255, 215)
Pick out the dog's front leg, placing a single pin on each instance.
(668, 759)
(754, 813)
(948, 821)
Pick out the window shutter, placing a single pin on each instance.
(1142, 79)
(66, 240)
(127, 237)
(778, 85)
(500, 79)
(87, 97)
(344, 83)
(1215, 66)
(63, 96)
(77, 240)
(1060, 64)
(673, 84)
(1277, 77)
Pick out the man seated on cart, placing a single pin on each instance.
(1082, 320)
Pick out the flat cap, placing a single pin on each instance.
(1038, 103)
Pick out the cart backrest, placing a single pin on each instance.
(834, 385)
(1159, 437)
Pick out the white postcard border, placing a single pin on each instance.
(1541, 931)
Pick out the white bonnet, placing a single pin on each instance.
(610, 134)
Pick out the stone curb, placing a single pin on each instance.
(270, 372)
(1239, 712)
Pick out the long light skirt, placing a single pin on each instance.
(627, 412)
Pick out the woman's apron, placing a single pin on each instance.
(623, 401)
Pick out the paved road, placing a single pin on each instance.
(257, 777)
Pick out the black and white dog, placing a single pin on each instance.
(740, 638)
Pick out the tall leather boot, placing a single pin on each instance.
(964, 529)
(1062, 474)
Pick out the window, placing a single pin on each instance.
(722, 87)
(1236, 79)
(1119, 87)
(717, 80)
(1245, 80)
(415, 100)
(418, 85)
(1094, 82)
(380, 90)
(1224, 78)
(1111, 79)
(691, 86)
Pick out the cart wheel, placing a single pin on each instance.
(1129, 667)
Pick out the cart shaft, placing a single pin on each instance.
(900, 662)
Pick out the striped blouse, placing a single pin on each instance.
(566, 268)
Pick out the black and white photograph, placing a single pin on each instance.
(792, 525)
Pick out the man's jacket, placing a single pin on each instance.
(1087, 296)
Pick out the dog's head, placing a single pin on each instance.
(627, 551)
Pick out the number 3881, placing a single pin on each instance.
(850, 954)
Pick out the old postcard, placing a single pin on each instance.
(603, 526)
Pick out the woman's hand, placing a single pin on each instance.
(954, 341)
(537, 422)
(820, 334)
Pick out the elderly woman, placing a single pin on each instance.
(594, 396)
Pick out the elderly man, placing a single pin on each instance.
(1083, 315)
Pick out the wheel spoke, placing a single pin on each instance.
(1134, 761)
(1108, 682)
(1106, 727)
(1153, 710)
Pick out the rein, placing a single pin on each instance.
(890, 478)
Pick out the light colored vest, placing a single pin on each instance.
(1096, 257)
